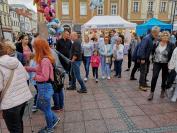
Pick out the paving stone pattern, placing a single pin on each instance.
(115, 106)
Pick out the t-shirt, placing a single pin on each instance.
(87, 49)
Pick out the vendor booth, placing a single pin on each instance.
(144, 28)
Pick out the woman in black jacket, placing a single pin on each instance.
(24, 47)
(162, 53)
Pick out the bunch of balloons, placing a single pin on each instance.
(96, 3)
(53, 23)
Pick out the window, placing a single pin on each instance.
(65, 8)
(83, 8)
(113, 9)
(100, 10)
(135, 6)
(163, 6)
(150, 6)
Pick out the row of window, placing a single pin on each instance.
(5, 20)
(4, 8)
(15, 23)
(83, 9)
(163, 6)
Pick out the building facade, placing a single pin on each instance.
(140, 11)
(74, 13)
(5, 20)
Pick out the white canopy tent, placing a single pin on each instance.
(108, 22)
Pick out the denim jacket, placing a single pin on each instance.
(106, 50)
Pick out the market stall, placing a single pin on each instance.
(143, 29)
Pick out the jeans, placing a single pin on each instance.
(135, 68)
(14, 118)
(156, 70)
(129, 59)
(103, 64)
(95, 72)
(144, 69)
(45, 93)
(35, 97)
(107, 69)
(75, 68)
(87, 65)
(58, 99)
(118, 67)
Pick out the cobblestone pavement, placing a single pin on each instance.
(114, 106)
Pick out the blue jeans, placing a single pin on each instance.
(118, 67)
(45, 93)
(75, 72)
(107, 69)
(87, 65)
(103, 64)
(58, 99)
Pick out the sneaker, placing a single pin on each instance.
(142, 88)
(96, 80)
(108, 78)
(173, 99)
(82, 91)
(127, 70)
(150, 97)
(46, 130)
(119, 76)
(85, 79)
(162, 95)
(54, 108)
(71, 88)
(56, 122)
(132, 78)
(103, 77)
(34, 109)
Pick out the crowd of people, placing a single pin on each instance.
(39, 62)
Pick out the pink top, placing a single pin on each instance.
(44, 71)
(95, 61)
(26, 53)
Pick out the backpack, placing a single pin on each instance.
(59, 78)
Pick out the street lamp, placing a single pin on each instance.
(1, 29)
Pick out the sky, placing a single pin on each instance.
(27, 3)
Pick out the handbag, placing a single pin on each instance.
(108, 59)
(4, 90)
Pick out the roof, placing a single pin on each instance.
(108, 22)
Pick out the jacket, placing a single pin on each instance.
(118, 52)
(170, 48)
(76, 50)
(20, 57)
(106, 50)
(146, 47)
(18, 91)
(95, 61)
(44, 71)
(136, 56)
(173, 61)
(19, 47)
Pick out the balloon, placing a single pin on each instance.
(96, 3)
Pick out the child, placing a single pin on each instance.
(33, 82)
(95, 62)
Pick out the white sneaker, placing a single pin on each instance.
(103, 77)
(173, 99)
(109, 78)
(85, 79)
(96, 80)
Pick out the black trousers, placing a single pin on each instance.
(129, 59)
(144, 70)
(14, 118)
(95, 72)
(156, 70)
(135, 68)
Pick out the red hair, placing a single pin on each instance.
(42, 50)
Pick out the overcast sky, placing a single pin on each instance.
(28, 3)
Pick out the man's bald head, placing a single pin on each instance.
(74, 36)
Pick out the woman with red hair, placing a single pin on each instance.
(44, 77)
